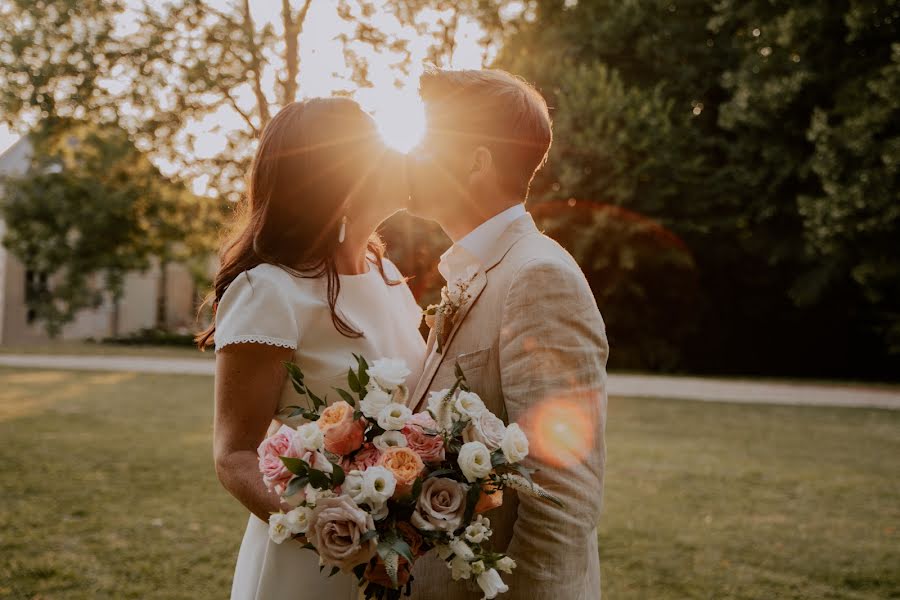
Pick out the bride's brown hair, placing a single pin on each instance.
(311, 156)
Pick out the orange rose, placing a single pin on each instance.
(412, 537)
(406, 465)
(490, 499)
(376, 573)
(342, 434)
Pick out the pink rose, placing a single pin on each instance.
(275, 474)
(368, 456)
(430, 448)
(335, 528)
(342, 433)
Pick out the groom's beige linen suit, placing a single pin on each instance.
(532, 344)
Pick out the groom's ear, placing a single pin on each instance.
(482, 161)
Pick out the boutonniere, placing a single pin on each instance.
(441, 317)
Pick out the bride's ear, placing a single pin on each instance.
(482, 160)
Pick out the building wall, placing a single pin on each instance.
(137, 309)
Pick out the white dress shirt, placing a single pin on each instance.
(472, 250)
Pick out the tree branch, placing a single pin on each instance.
(292, 28)
(255, 66)
(243, 114)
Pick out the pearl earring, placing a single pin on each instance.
(342, 234)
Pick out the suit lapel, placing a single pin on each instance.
(517, 230)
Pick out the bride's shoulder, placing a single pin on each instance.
(262, 281)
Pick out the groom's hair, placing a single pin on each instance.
(495, 109)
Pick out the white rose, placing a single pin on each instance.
(309, 437)
(298, 519)
(461, 549)
(479, 531)
(394, 416)
(486, 428)
(474, 460)
(390, 439)
(378, 485)
(279, 528)
(491, 584)
(459, 568)
(375, 400)
(353, 486)
(469, 404)
(506, 564)
(514, 444)
(389, 372)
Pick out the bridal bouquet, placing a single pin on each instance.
(375, 487)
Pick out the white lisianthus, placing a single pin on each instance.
(461, 549)
(389, 372)
(375, 400)
(506, 564)
(478, 567)
(514, 444)
(460, 568)
(379, 484)
(354, 487)
(491, 584)
(309, 437)
(474, 460)
(394, 416)
(390, 439)
(469, 405)
(279, 527)
(298, 519)
(479, 531)
(486, 428)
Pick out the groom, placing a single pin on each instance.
(529, 337)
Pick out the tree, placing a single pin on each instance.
(91, 209)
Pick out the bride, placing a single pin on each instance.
(304, 280)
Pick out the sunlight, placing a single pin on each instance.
(400, 117)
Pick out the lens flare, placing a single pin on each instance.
(561, 431)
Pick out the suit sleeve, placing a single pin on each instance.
(553, 353)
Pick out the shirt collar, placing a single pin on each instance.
(474, 247)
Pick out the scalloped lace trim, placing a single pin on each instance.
(256, 339)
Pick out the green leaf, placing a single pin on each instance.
(400, 546)
(497, 458)
(296, 484)
(294, 465)
(369, 535)
(361, 373)
(353, 381)
(334, 571)
(317, 402)
(346, 396)
(472, 497)
(319, 479)
(337, 475)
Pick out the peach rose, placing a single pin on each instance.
(377, 573)
(490, 499)
(406, 467)
(430, 448)
(342, 433)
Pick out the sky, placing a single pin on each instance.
(322, 71)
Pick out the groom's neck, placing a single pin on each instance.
(463, 222)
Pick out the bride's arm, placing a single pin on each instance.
(249, 382)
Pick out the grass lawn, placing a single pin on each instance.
(108, 491)
(101, 349)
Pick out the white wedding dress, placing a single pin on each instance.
(268, 305)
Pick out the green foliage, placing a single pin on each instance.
(764, 135)
(90, 209)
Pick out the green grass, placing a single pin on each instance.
(101, 349)
(107, 491)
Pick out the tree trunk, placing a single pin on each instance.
(162, 296)
(292, 28)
